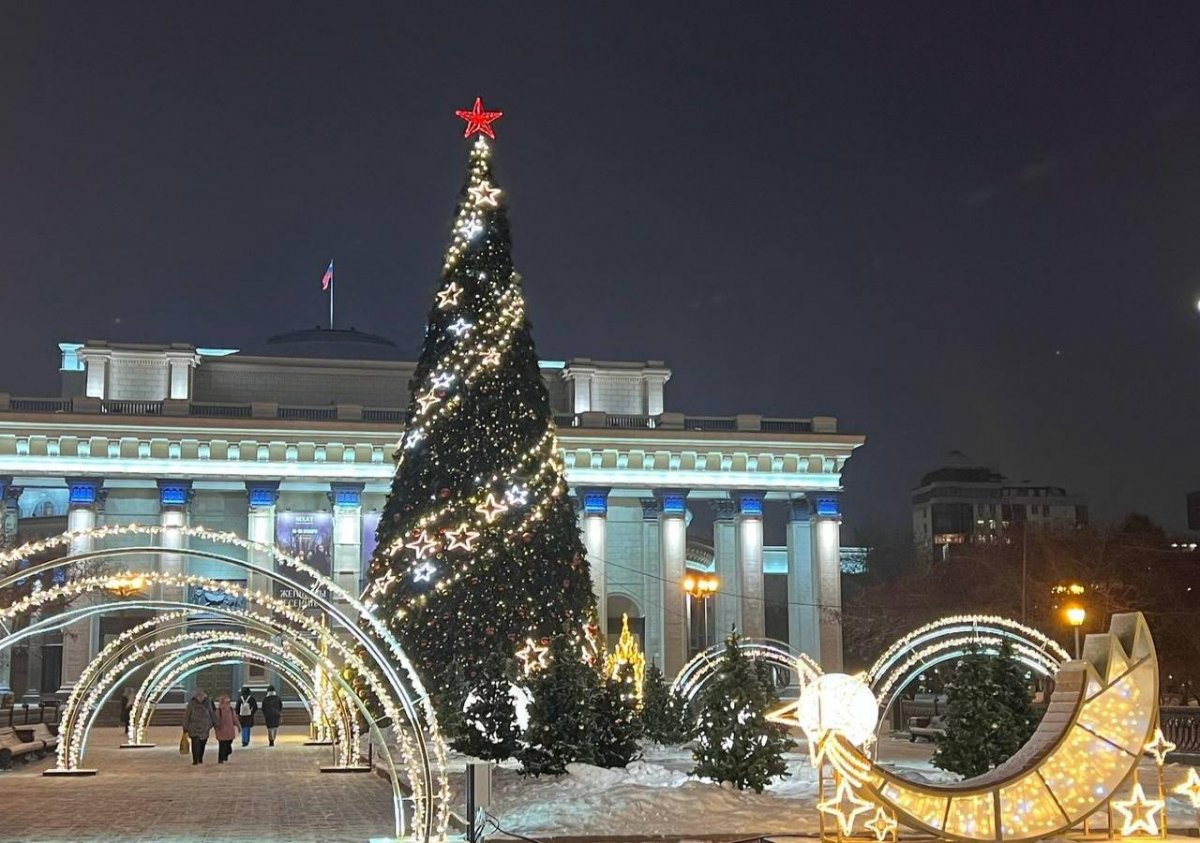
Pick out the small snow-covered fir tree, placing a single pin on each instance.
(666, 718)
(988, 714)
(490, 724)
(560, 715)
(734, 740)
(615, 725)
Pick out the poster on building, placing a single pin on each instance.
(308, 536)
(370, 525)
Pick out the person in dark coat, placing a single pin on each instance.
(272, 709)
(198, 721)
(126, 708)
(246, 706)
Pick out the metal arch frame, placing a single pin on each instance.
(412, 697)
(164, 681)
(702, 666)
(70, 616)
(86, 612)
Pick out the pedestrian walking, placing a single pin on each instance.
(272, 709)
(197, 723)
(247, 705)
(126, 708)
(227, 729)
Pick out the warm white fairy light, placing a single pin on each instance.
(491, 509)
(533, 656)
(703, 665)
(1159, 747)
(462, 537)
(424, 545)
(484, 194)
(427, 399)
(845, 806)
(419, 701)
(449, 296)
(1139, 814)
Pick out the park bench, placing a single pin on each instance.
(12, 747)
(930, 728)
(38, 732)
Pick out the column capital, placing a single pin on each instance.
(84, 492)
(651, 508)
(750, 504)
(827, 506)
(593, 499)
(724, 509)
(346, 494)
(672, 502)
(262, 492)
(175, 494)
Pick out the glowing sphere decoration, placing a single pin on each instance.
(836, 702)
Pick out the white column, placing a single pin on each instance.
(826, 553)
(651, 583)
(9, 514)
(593, 508)
(174, 497)
(347, 535)
(80, 639)
(727, 608)
(803, 580)
(260, 529)
(672, 542)
(750, 563)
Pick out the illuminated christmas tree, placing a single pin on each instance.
(627, 666)
(479, 553)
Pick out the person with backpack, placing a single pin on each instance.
(246, 706)
(272, 709)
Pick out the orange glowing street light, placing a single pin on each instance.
(701, 587)
(1075, 615)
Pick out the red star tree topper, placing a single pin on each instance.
(479, 120)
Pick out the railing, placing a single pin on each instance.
(133, 408)
(709, 423)
(382, 415)
(220, 411)
(308, 413)
(40, 405)
(1181, 726)
(629, 422)
(787, 425)
(24, 714)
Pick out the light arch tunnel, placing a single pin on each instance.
(384, 667)
(165, 641)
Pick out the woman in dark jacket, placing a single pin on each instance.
(272, 709)
(246, 706)
(198, 721)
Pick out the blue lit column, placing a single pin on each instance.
(803, 581)
(727, 605)
(346, 568)
(594, 515)
(260, 527)
(750, 563)
(827, 565)
(9, 514)
(174, 498)
(672, 543)
(80, 639)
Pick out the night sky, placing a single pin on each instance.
(957, 227)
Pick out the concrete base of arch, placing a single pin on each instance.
(137, 746)
(73, 773)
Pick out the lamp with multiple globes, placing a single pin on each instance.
(699, 587)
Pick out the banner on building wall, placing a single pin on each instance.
(370, 525)
(309, 536)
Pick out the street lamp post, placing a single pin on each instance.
(1076, 615)
(702, 586)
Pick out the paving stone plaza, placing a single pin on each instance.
(157, 796)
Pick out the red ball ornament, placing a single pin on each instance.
(443, 493)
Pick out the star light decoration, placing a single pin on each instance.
(491, 509)
(424, 572)
(426, 400)
(1138, 813)
(424, 545)
(1190, 787)
(882, 825)
(460, 327)
(461, 538)
(533, 656)
(484, 194)
(1158, 746)
(449, 296)
(845, 806)
(479, 120)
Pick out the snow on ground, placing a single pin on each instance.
(657, 796)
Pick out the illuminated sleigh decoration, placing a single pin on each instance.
(1101, 718)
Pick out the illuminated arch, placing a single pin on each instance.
(951, 638)
(172, 672)
(404, 699)
(703, 666)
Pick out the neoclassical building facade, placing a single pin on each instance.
(294, 446)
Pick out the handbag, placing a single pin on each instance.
(185, 745)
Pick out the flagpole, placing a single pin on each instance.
(331, 296)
